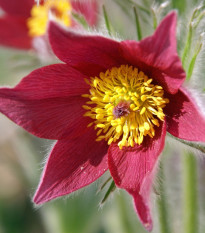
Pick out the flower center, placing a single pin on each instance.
(37, 23)
(125, 106)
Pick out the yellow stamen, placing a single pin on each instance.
(37, 23)
(126, 106)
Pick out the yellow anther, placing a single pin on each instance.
(149, 81)
(130, 141)
(108, 105)
(141, 128)
(125, 129)
(135, 109)
(140, 139)
(143, 98)
(136, 140)
(87, 81)
(100, 125)
(89, 102)
(155, 122)
(99, 132)
(122, 143)
(114, 123)
(99, 116)
(142, 110)
(133, 125)
(106, 98)
(90, 124)
(158, 87)
(146, 125)
(119, 129)
(152, 132)
(142, 90)
(94, 98)
(85, 95)
(110, 141)
(126, 97)
(99, 110)
(95, 82)
(160, 115)
(151, 109)
(110, 118)
(132, 106)
(148, 88)
(86, 107)
(110, 110)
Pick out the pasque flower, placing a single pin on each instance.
(23, 21)
(109, 106)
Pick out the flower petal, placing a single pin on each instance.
(157, 55)
(88, 8)
(133, 170)
(47, 102)
(72, 165)
(18, 8)
(89, 54)
(184, 119)
(14, 32)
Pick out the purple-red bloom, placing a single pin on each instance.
(131, 92)
(22, 20)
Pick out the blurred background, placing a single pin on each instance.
(22, 155)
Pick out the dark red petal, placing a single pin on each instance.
(90, 54)
(72, 165)
(14, 32)
(59, 80)
(88, 8)
(47, 102)
(184, 119)
(16, 7)
(133, 170)
(157, 55)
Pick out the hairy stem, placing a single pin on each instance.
(162, 204)
(190, 205)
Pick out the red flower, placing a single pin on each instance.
(130, 91)
(16, 30)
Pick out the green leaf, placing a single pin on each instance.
(193, 61)
(200, 17)
(187, 44)
(107, 23)
(194, 22)
(138, 27)
(80, 19)
(154, 17)
(104, 184)
(109, 191)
